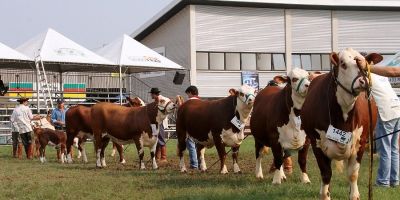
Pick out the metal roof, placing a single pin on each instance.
(177, 5)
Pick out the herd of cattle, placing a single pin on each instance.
(328, 112)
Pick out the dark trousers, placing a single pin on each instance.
(26, 141)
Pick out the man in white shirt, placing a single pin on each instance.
(21, 121)
(388, 122)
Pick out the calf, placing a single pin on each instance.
(209, 123)
(336, 103)
(276, 122)
(56, 138)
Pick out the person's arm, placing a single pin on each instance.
(387, 71)
(30, 115)
(54, 117)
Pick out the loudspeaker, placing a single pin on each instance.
(178, 78)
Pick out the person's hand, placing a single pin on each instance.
(361, 62)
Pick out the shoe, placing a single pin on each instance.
(381, 185)
(396, 184)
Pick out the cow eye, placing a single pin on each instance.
(294, 79)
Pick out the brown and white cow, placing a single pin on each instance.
(209, 123)
(337, 99)
(276, 123)
(124, 125)
(45, 135)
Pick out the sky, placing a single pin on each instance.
(91, 23)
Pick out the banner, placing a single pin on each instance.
(250, 78)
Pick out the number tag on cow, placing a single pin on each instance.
(338, 135)
(237, 123)
(297, 122)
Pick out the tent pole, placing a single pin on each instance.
(120, 85)
(130, 84)
(61, 86)
(37, 88)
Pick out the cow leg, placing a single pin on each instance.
(140, 150)
(82, 150)
(153, 154)
(353, 167)
(302, 160)
(200, 155)
(221, 154)
(120, 149)
(259, 154)
(70, 142)
(77, 143)
(324, 164)
(105, 141)
(113, 150)
(41, 151)
(279, 175)
(235, 154)
(181, 149)
(97, 146)
(58, 153)
(62, 153)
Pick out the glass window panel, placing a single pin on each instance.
(249, 61)
(278, 62)
(217, 61)
(232, 61)
(326, 62)
(202, 60)
(306, 62)
(296, 62)
(263, 61)
(315, 62)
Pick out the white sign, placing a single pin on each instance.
(237, 123)
(151, 74)
(338, 135)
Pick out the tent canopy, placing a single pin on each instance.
(61, 54)
(136, 57)
(11, 59)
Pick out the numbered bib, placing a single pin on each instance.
(338, 135)
(297, 122)
(237, 123)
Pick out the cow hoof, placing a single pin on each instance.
(304, 178)
(224, 170)
(183, 170)
(203, 170)
(238, 172)
(260, 177)
(236, 169)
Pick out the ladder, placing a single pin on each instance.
(44, 87)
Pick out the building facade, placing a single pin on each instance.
(217, 40)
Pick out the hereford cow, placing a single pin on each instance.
(127, 125)
(209, 123)
(77, 123)
(276, 122)
(50, 136)
(337, 99)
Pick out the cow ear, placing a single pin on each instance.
(281, 79)
(334, 59)
(233, 92)
(374, 58)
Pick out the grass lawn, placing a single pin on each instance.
(29, 179)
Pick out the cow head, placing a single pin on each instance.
(279, 81)
(165, 106)
(245, 97)
(350, 79)
(299, 81)
(135, 102)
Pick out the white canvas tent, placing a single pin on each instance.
(60, 54)
(9, 58)
(132, 56)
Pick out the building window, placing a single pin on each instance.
(202, 60)
(312, 62)
(232, 61)
(217, 61)
(278, 62)
(249, 61)
(263, 61)
(236, 61)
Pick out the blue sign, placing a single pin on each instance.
(250, 78)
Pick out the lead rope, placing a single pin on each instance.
(371, 136)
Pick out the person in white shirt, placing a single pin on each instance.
(388, 122)
(21, 121)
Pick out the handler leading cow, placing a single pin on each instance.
(209, 122)
(335, 118)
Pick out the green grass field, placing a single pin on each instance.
(29, 179)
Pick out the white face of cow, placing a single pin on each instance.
(165, 105)
(246, 95)
(348, 71)
(299, 81)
